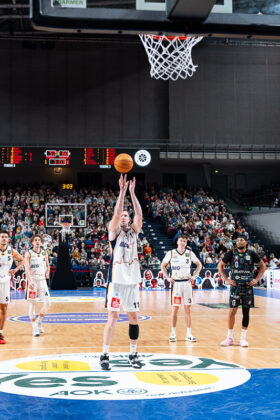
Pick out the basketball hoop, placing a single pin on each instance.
(170, 57)
(65, 229)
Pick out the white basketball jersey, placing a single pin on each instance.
(37, 264)
(6, 262)
(125, 267)
(180, 264)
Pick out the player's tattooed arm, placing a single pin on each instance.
(19, 258)
(262, 269)
(114, 223)
(222, 273)
(138, 218)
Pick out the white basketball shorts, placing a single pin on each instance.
(122, 294)
(5, 291)
(41, 290)
(181, 293)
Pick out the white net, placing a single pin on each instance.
(170, 57)
(66, 230)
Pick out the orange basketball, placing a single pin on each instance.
(123, 163)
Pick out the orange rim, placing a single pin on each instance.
(168, 37)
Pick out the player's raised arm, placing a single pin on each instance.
(115, 222)
(20, 259)
(138, 216)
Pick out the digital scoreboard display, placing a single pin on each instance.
(57, 157)
(15, 156)
(87, 157)
(98, 156)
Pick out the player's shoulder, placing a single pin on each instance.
(228, 255)
(169, 254)
(113, 235)
(254, 254)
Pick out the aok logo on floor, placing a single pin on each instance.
(78, 376)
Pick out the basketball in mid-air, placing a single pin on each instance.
(123, 163)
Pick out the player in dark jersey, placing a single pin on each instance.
(241, 262)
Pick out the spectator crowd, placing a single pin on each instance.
(210, 227)
(22, 214)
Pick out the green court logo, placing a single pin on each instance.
(78, 376)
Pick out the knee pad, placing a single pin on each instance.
(32, 312)
(133, 331)
(245, 318)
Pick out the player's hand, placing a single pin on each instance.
(230, 282)
(170, 279)
(12, 272)
(31, 286)
(132, 186)
(253, 282)
(123, 183)
(47, 277)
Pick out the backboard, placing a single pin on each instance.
(228, 18)
(56, 214)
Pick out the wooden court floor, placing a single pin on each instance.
(209, 325)
(57, 374)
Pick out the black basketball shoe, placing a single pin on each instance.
(105, 362)
(134, 361)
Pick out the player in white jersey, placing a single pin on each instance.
(7, 256)
(180, 261)
(37, 271)
(124, 273)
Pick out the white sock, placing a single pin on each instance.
(34, 325)
(230, 334)
(243, 334)
(133, 348)
(105, 348)
(1, 331)
(173, 330)
(39, 320)
(189, 332)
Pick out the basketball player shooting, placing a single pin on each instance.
(124, 273)
(7, 256)
(37, 270)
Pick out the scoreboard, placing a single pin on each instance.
(93, 156)
(102, 157)
(15, 156)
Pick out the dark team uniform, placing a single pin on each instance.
(242, 273)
